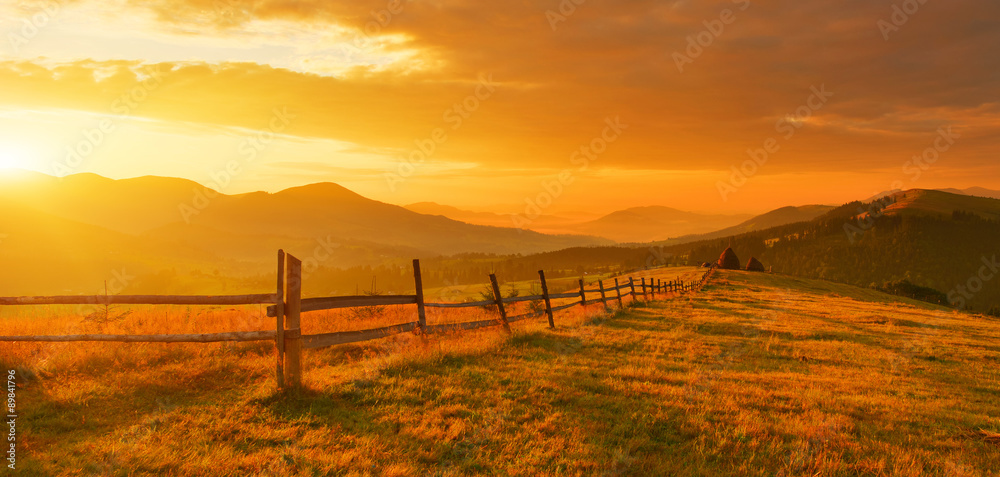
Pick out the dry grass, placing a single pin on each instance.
(756, 375)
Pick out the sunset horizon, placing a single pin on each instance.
(374, 100)
(538, 237)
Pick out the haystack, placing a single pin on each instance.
(754, 265)
(728, 260)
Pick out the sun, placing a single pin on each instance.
(7, 163)
(13, 157)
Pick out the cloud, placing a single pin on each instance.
(556, 86)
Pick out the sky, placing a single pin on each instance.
(735, 106)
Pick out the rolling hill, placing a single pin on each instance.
(147, 204)
(774, 218)
(932, 239)
(941, 204)
(89, 226)
(975, 191)
(538, 224)
(647, 224)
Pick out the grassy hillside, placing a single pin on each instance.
(755, 375)
(938, 203)
(930, 238)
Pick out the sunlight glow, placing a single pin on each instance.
(13, 157)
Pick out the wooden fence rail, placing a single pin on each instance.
(199, 338)
(260, 299)
(344, 337)
(287, 305)
(334, 302)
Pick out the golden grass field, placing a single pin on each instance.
(755, 374)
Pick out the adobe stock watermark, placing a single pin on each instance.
(231, 12)
(697, 43)
(914, 168)
(249, 149)
(11, 408)
(451, 292)
(120, 280)
(455, 116)
(553, 189)
(381, 19)
(30, 27)
(900, 16)
(321, 252)
(959, 295)
(93, 138)
(787, 126)
(565, 10)
(658, 257)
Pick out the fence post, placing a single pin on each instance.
(418, 282)
(631, 284)
(499, 299)
(279, 338)
(619, 292)
(293, 329)
(644, 296)
(604, 299)
(583, 294)
(545, 295)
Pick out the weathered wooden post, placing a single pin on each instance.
(545, 296)
(583, 294)
(293, 328)
(604, 299)
(279, 339)
(644, 295)
(418, 282)
(618, 290)
(499, 299)
(631, 284)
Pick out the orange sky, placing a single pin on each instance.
(498, 98)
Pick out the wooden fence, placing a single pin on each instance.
(287, 305)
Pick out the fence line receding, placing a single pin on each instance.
(286, 305)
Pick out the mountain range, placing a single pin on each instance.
(167, 235)
(632, 225)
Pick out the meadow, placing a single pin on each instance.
(754, 374)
